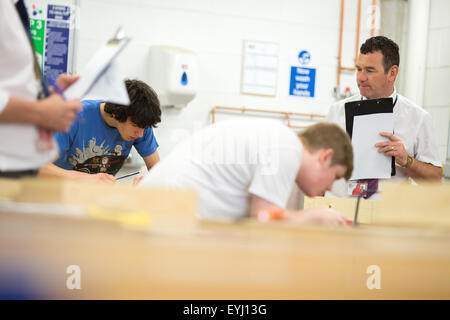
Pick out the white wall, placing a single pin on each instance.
(394, 25)
(215, 30)
(437, 74)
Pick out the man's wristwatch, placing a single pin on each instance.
(409, 162)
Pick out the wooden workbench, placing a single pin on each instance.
(192, 259)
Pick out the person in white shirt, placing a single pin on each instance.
(26, 123)
(413, 143)
(248, 167)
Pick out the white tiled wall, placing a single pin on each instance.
(437, 76)
(215, 30)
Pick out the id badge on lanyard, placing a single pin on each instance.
(355, 188)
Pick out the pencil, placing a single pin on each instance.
(129, 175)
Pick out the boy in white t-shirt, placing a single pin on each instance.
(243, 167)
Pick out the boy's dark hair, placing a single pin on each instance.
(388, 48)
(144, 109)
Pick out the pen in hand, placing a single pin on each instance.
(57, 88)
(61, 93)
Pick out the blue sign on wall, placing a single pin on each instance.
(58, 12)
(303, 82)
(57, 41)
(304, 57)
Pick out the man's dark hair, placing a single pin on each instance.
(144, 109)
(388, 48)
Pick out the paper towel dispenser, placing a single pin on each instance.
(173, 74)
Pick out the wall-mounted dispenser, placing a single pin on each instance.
(173, 74)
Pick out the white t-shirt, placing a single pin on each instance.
(412, 125)
(228, 161)
(18, 142)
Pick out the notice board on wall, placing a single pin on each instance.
(52, 26)
(259, 68)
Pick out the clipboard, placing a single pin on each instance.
(368, 107)
(98, 65)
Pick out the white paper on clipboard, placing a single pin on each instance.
(110, 87)
(368, 162)
(99, 70)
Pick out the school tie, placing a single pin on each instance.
(372, 187)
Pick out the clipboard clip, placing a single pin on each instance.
(118, 37)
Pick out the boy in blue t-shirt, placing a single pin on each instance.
(100, 140)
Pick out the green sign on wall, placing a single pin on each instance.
(37, 28)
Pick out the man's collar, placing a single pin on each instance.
(393, 95)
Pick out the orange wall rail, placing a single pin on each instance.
(286, 114)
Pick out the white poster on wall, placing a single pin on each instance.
(259, 68)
